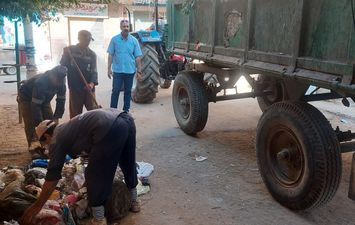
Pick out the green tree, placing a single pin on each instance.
(36, 10)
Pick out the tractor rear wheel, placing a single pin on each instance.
(144, 91)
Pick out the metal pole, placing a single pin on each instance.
(18, 72)
(129, 19)
(156, 16)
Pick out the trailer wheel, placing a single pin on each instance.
(165, 84)
(10, 70)
(298, 155)
(144, 91)
(190, 102)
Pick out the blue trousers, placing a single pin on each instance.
(127, 80)
(118, 147)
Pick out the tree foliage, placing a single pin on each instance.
(36, 10)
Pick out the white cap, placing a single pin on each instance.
(43, 127)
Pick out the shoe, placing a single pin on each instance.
(94, 221)
(135, 206)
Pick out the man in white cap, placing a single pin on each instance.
(109, 138)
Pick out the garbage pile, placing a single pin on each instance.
(68, 204)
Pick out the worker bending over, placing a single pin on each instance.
(34, 100)
(109, 138)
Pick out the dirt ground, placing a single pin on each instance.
(225, 189)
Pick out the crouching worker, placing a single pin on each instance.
(34, 99)
(109, 138)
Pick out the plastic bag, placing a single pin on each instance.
(142, 189)
(33, 174)
(144, 169)
(33, 190)
(81, 210)
(54, 205)
(49, 217)
(78, 181)
(13, 175)
(12, 222)
(14, 201)
(2, 183)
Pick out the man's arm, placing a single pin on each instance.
(60, 105)
(57, 154)
(65, 60)
(35, 208)
(138, 54)
(111, 52)
(36, 103)
(93, 80)
(139, 67)
(109, 66)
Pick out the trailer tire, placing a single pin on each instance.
(10, 70)
(298, 155)
(144, 91)
(190, 102)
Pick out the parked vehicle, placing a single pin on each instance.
(281, 47)
(159, 66)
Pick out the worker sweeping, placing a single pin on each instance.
(109, 138)
(34, 100)
(82, 74)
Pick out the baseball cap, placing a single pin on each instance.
(86, 34)
(43, 127)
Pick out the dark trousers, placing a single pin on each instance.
(118, 80)
(77, 100)
(118, 147)
(26, 112)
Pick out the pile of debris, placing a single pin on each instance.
(68, 204)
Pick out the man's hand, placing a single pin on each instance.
(29, 214)
(33, 210)
(56, 120)
(109, 73)
(91, 86)
(139, 76)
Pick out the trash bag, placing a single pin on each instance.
(48, 217)
(33, 190)
(81, 210)
(12, 222)
(78, 181)
(144, 169)
(119, 202)
(33, 174)
(2, 183)
(13, 175)
(14, 201)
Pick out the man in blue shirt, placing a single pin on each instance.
(124, 60)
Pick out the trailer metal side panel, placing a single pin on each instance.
(296, 36)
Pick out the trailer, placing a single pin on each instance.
(281, 47)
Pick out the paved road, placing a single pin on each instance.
(224, 189)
